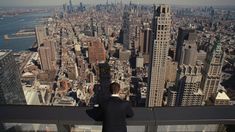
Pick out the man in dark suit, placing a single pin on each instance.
(114, 111)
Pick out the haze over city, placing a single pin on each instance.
(160, 55)
(172, 2)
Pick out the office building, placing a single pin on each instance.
(184, 34)
(11, 91)
(161, 25)
(145, 41)
(187, 91)
(212, 69)
(126, 30)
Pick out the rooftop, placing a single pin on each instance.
(2, 53)
(222, 95)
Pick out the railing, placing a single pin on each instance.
(147, 117)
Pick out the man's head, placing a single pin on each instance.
(114, 88)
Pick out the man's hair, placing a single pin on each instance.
(114, 88)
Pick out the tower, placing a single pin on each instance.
(212, 70)
(126, 30)
(11, 91)
(161, 24)
(70, 6)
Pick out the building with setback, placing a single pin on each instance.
(212, 69)
(187, 91)
(184, 34)
(11, 91)
(161, 24)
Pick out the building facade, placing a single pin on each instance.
(11, 91)
(189, 80)
(126, 30)
(212, 69)
(161, 25)
(184, 34)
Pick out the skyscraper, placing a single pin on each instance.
(126, 30)
(70, 6)
(161, 25)
(187, 91)
(184, 34)
(145, 42)
(188, 86)
(212, 69)
(11, 91)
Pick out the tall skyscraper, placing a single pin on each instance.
(145, 42)
(212, 69)
(161, 25)
(70, 6)
(126, 30)
(11, 91)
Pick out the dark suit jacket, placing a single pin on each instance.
(114, 112)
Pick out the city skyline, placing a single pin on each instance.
(7, 3)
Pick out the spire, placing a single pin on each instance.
(217, 44)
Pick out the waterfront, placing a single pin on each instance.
(11, 25)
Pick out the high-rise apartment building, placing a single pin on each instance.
(161, 25)
(212, 69)
(11, 91)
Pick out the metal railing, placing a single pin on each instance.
(143, 116)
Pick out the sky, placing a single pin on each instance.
(75, 2)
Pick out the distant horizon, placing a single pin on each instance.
(76, 5)
(50, 3)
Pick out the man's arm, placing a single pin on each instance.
(129, 111)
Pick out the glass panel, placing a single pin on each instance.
(26, 127)
(86, 128)
(97, 128)
(190, 128)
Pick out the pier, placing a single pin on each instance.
(6, 37)
(23, 33)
